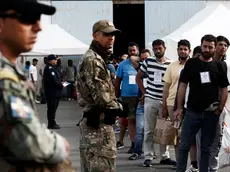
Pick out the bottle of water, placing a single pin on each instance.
(177, 124)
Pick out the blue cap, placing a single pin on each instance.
(51, 57)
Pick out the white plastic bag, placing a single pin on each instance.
(224, 154)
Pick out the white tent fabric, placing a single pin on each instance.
(54, 40)
(210, 20)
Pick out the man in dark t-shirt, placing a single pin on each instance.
(207, 79)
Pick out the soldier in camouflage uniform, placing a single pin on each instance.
(98, 143)
(25, 144)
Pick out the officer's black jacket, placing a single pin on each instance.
(52, 82)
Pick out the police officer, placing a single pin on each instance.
(53, 90)
(98, 142)
(24, 140)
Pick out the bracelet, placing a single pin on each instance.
(220, 110)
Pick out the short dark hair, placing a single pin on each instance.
(196, 50)
(27, 63)
(184, 42)
(35, 60)
(45, 58)
(209, 38)
(222, 38)
(131, 44)
(145, 51)
(158, 42)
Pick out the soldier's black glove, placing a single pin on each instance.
(110, 115)
(93, 117)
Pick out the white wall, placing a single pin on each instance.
(78, 17)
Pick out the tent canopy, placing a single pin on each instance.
(207, 21)
(54, 40)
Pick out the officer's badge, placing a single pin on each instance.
(50, 67)
(102, 75)
(20, 109)
(52, 73)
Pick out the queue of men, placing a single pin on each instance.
(163, 95)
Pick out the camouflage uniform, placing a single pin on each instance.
(22, 137)
(97, 146)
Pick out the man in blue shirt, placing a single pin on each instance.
(126, 73)
(112, 71)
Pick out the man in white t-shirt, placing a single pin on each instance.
(33, 73)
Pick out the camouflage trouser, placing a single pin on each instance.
(97, 148)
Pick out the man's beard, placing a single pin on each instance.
(183, 57)
(159, 55)
(207, 55)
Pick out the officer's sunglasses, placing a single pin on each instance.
(23, 18)
(108, 34)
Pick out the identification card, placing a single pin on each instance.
(132, 79)
(145, 82)
(157, 77)
(205, 77)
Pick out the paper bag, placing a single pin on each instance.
(165, 133)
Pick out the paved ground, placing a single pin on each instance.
(68, 115)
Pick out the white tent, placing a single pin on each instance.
(210, 20)
(54, 40)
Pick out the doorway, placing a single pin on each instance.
(130, 19)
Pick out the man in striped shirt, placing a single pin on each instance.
(155, 68)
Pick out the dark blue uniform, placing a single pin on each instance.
(53, 91)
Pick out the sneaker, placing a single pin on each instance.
(119, 145)
(38, 102)
(154, 156)
(147, 163)
(168, 162)
(131, 150)
(55, 126)
(135, 156)
(192, 169)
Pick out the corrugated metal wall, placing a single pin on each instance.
(78, 17)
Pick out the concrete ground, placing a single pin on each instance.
(69, 113)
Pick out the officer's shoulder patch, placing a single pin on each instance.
(20, 109)
(102, 75)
